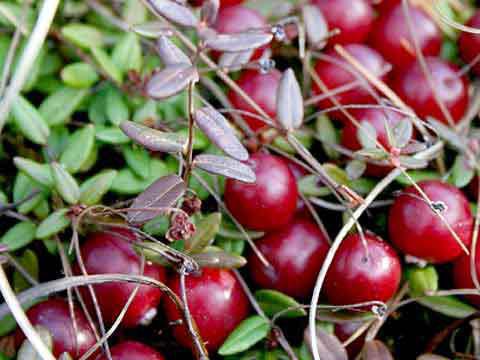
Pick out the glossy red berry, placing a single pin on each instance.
(111, 253)
(271, 201)
(384, 5)
(344, 330)
(462, 277)
(262, 88)
(132, 350)
(362, 272)
(391, 36)
(337, 74)
(54, 315)
(416, 230)
(469, 44)
(217, 303)
(298, 172)
(296, 253)
(413, 87)
(355, 26)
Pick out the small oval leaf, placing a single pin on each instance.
(19, 235)
(38, 172)
(289, 101)
(376, 350)
(238, 41)
(248, 333)
(175, 12)
(273, 302)
(462, 173)
(219, 259)
(65, 184)
(152, 29)
(232, 60)
(224, 166)
(205, 233)
(80, 146)
(152, 139)
(170, 81)
(316, 26)
(57, 108)
(53, 224)
(30, 122)
(93, 189)
(447, 305)
(79, 75)
(170, 53)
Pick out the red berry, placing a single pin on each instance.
(469, 44)
(237, 19)
(271, 201)
(262, 88)
(111, 253)
(462, 276)
(362, 272)
(354, 19)
(132, 350)
(339, 74)
(391, 35)
(344, 330)
(223, 3)
(298, 172)
(473, 187)
(416, 230)
(412, 86)
(296, 253)
(385, 5)
(217, 304)
(54, 315)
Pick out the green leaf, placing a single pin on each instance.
(42, 210)
(158, 226)
(111, 135)
(422, 280)
(29, 261)
(229, 245)
(309, 186)
(138, 159)
(461, 173)
(79, 75)
(39, 172)
(84, 36)
(147, 111)
(127, 53)
(52, 63)
(117, 110)
(29, 121)
(65, 184)
(58, 141)
(19, 235)
(273, 302)
(107, 64)
(93, 189)
(248, 333)
(96, 108)
(55, 223)
(417, 176)
(23, 187)
(448, 305)
(134, 12)
(200, 141)
(205, 233)
(60, 105)
(78, 151)
(327, 134)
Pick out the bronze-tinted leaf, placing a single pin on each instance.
(289, 101)
(152, 139)
(222, 165)
(219, 259)
(162, 194)
(329, 347)
(174, 11)
(170, 81)
(238, 41)
(218, 130)
(233, 60)
(376, 350)
(152, 29)
(210, 11)
(206, 230)
(316, 26)
(170, 53)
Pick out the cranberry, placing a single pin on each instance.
(223, 3)
(111, 253)
(469, 44)
(473, 188)
(217, 304)
(335, 75)
(262, 88)
(54, 315)
(462, 276)
(344, 330)
(298, 172)
(416, 230)
(271, 201)
(236, 19)
(385, 5)
(391, 35)
(296, 253)
(354, 19)
(129, 350)
(362, 272)
(412, 86)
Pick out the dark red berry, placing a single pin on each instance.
(298, 172)
(271, 201)
(363, 271)
(413, 87)
(462, 276)
(217, 304)
(473, 188)
(337, 74)
(469, 44)
(416, 230)
(385, 5)
(391, 35)
(111, 253)
(132, 350)
(355, 26)
(54, 315)
(262, 88)
(296, 253)
(344, 330)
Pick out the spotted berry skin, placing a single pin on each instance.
(469, 44)
(416, 230)
(271, 201)
(132, 350)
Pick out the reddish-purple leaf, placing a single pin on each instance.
(329, 347)
(316, 26)
(170, 81)
(224, 166)
(235, 59)
(174, 11)
(218, 130)
(238, 41)
(170, 53)
(210, 11)
(153, 139)
(376, 350)
(157, 199)
(289, 101)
